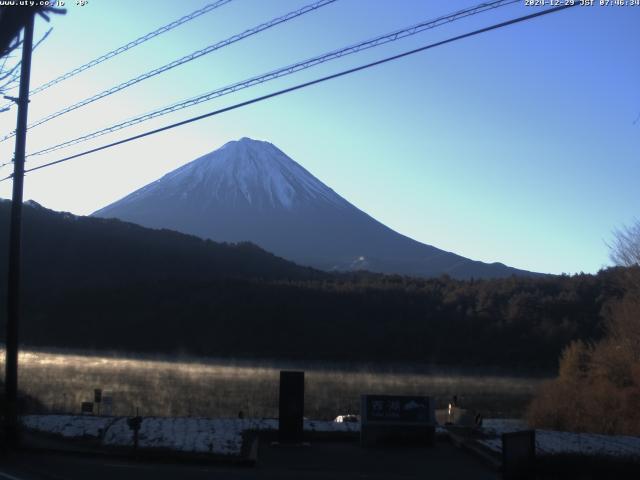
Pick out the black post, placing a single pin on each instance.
(519, 455)
(291, 407)
(15, 230)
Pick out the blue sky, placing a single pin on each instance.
(516, 146)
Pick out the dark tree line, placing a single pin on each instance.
(103, 284)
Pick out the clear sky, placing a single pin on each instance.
(516, 146)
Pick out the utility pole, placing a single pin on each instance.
(15, 231)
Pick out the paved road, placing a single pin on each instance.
(319, 461)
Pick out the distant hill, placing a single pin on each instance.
(250, 190)
(62, 247)
(91, 283)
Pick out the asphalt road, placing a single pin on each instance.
(318, 461)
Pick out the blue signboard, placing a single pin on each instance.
(397, 408)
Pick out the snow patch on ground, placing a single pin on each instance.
(498, 426)
(68, 426)
(218, 436)
(550, 442)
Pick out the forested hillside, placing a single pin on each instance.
(105, 284)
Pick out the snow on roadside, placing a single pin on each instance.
(550, 442)
(224, 436)
(324, 426)
(498, 426)
(67, 426)
(194, 435)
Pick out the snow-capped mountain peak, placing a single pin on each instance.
(244, 171)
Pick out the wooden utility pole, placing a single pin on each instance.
(15, 231)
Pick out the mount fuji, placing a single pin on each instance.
(250, 190)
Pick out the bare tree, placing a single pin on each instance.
(10, 70)
(625, 249)
(598, 384)
(12, 19)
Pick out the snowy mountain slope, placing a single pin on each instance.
(250, 190)
(255, 174)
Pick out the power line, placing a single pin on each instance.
(6, 164)
(304, 85)
(288, 70)
(187, 58)
(130, 45)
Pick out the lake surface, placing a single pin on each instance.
(169, 386)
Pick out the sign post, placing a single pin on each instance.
(134, 424)
(86, 408)
(97, 398)
(397, 419)
(107, 403)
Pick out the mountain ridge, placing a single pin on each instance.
(250, 190)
